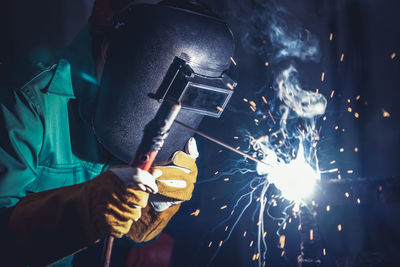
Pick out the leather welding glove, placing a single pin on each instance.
(175, 183)
(49, 225)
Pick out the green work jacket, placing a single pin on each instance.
(36, 150)
(46, 141)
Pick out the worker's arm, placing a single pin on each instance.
(21, 135)
(39, 228)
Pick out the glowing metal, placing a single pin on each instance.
(296, 180)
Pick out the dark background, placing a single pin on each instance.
(368, 33)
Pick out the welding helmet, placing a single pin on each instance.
(158, 52)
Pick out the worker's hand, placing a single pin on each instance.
(115, 198)
(64, 220)
(175, 183)
(176, 180)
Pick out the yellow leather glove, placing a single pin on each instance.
(115, 198)
(47, 226)
(176, 179)
(175, 183)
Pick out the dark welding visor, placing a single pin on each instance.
(197, 93)
(157, 52)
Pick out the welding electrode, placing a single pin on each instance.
(221, 143)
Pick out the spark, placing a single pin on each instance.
(358, 200)
(350, 171)
(224, 207)
(209, 244)
(233, 61)
(332, 93)
(385, 114)
(323, 77)
(356, 115)
(282, 239)
(341, 149)
(358, 97)
(331, 37)
(226, 179)
(272, 118)
(283, 133)
(266, 64)
(339, 227)
(195, 213)
(349, 109)
(347, 194)
(393, 55)
(341, 57)
(324, 252)
(264, 99)
(219, 108)
(311, 234)
(328, 208)
(356, 149)
(230, 86)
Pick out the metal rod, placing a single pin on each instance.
(107, 249)
(221, 143)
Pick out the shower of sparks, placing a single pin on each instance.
(290, 164)
(288, 147)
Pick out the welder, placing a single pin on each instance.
(68, 131)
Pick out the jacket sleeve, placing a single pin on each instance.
(21, 135)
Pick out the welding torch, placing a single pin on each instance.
(155, 133)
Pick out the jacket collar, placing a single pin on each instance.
(61, 83)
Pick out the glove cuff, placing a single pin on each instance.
(151, 223)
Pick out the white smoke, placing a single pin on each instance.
(292, 40)
(305, 104)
